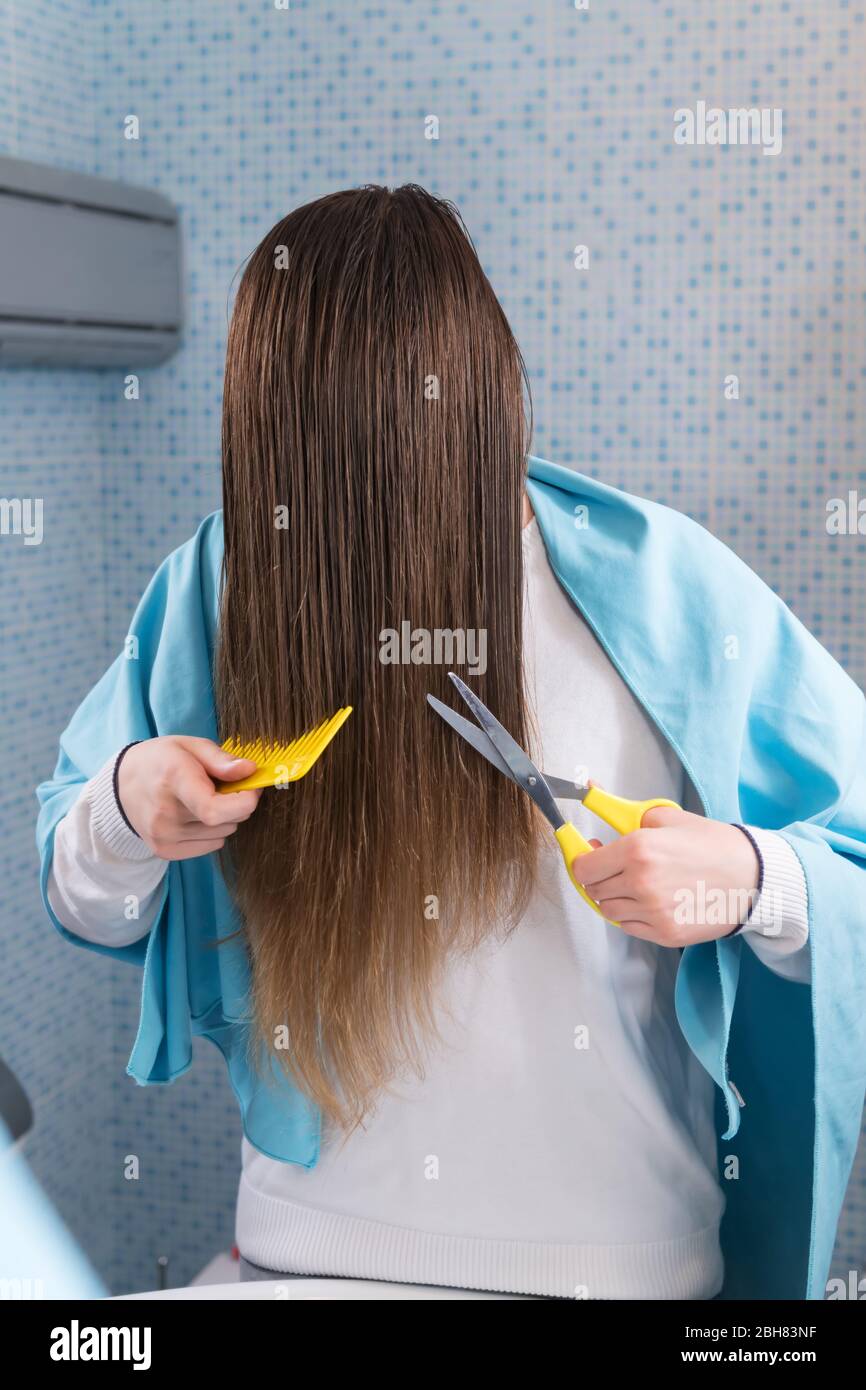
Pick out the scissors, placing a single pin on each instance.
(500, 749)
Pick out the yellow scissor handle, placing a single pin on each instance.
(618, 812)
(573, 845)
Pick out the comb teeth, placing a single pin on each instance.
(283, 762)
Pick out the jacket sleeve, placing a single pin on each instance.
(779, 735)
(117, 711)
(100, 868)
(160, 683)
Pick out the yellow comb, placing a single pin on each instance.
(278, 763)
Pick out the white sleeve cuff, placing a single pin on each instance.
(104, 884)
(107, 822)
(778, 926)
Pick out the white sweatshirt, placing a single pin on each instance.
(562, 1140)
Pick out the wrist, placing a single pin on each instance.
(755, 891)
(780, 915)
(115, 785)
(108, 818)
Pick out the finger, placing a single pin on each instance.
(188, 825)
(239, 805)
(217, 763)
(195, 791)
(642, 931)
(236, 769)
(615, 887)
(196, 832)
(661, 816)
(197, 850)
(600, 863)
(620, 910)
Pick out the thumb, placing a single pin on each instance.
(660, 816)
(217, 763)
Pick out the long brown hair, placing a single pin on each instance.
(374, 448)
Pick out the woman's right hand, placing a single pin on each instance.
(166, 788)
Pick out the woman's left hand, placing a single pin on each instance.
(678, 880)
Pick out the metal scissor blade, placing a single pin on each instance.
(563, 790)
(520, 767)
(472, 734)
(560, 788)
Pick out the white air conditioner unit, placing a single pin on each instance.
(89, 270)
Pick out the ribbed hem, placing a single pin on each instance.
(287, 1237)
(780, 916)
(107, 821)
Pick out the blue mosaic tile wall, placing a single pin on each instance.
(55, 1021)
(555, 130)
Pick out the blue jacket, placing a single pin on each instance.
(773, 738)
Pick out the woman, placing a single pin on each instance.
(450, 1070)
